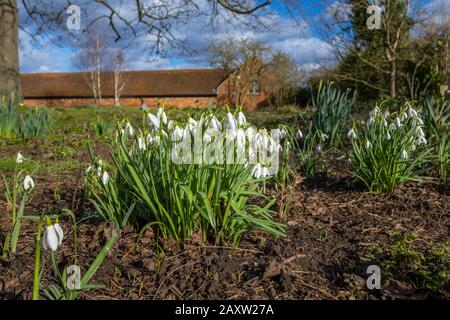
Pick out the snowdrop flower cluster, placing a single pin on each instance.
(98, 169)
(53, 236)
(246, 140)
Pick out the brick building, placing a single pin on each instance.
(174, 88)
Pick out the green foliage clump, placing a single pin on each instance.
(9, 117)
(35, 123)
(389, 150)
(332, 111)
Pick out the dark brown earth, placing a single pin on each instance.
(332, 227)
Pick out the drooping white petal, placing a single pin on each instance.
(404, 155)
(231, 122)
(28, 183)
(19, 158)
(105, 178)
(299, 134)
(50, 239)
(59, 232)
(241, 119)
(153, 120)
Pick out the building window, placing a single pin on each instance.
(254, 88)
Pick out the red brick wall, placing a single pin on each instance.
(251, 102)
(200, 102)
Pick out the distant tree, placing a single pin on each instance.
(282, 80)
(244, 62)
(91, 61)
(119, 80)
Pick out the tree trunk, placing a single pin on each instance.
(392, 79)
(9, 49)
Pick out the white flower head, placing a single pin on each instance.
(299, 134)
(388, 136)
(141, 144)
(323, 136)
(153, 121)
(161, 115)
(129, 129)
(404, 155)
(257, 171)
(319, 148)
(368, 144)
(28, 183)
(53, 237)
(352, 134)
(231, 123)
(105, 178)
(214, 123)
(19, 158)
(241, 119)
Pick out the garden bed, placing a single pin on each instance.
(334, 228)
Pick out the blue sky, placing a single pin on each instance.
(301, 39)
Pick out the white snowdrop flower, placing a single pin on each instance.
(420, 132)
(28, 183)
(370, 121)
(177, 134)
(153, 120)
(411, 112)
(398, 122)
(19, 158)
(386, 114)
(52, 238)
(161, 115)
(129, 128)
(420, 121)
(349, 162)
(374, 112)
(421, 140)
(141, 144)
(192, 124)
(250, 133)
(368, 144)
(318, 148)
(299, 134)
(170, 124)
(214, 123)
(403, 116)
(265, 172)
(352, 134)
(231, 121)
(388, 136)
(257, 171)
(385, 124)
(282, 134)
(99, 171)
(404, 154)
(105, 178)
(241, 119)
(323, 136)
(88, 169)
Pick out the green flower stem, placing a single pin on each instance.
(37, 260)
